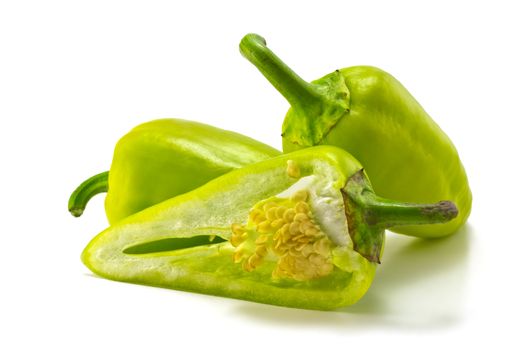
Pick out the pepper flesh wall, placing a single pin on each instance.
(367, 112)
(300, 230)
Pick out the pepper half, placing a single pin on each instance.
(301, 230)
(163, 158)
(367, 112)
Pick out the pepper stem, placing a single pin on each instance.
(316, 106)
(299, 93)
(85, 191)
(390, 213)
(368, 215)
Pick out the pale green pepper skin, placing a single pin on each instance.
(163, 158)
(367, 112)
(184, 243)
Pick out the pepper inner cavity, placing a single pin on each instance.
(285, 232)
(170, 244)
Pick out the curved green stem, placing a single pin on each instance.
(387, 213)
(316, 106)
(87, 189)
(368, 215)
(298, 92)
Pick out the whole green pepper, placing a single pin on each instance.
(303, 229)
(367, 112)
(160, 159)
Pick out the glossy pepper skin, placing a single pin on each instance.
(367, 112)
(301, 230)
(163, 158)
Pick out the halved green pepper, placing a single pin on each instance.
(301, 230)
(367, 112)
(163, 158)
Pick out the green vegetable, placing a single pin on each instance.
(163, 158)
(302, 230)
(367, 112)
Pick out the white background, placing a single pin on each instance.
(75, 76)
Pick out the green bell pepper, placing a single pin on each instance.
(303, 229)
(163, 158)
(367, 112)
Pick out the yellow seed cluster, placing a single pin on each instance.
(288, 230)
(292, 169)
